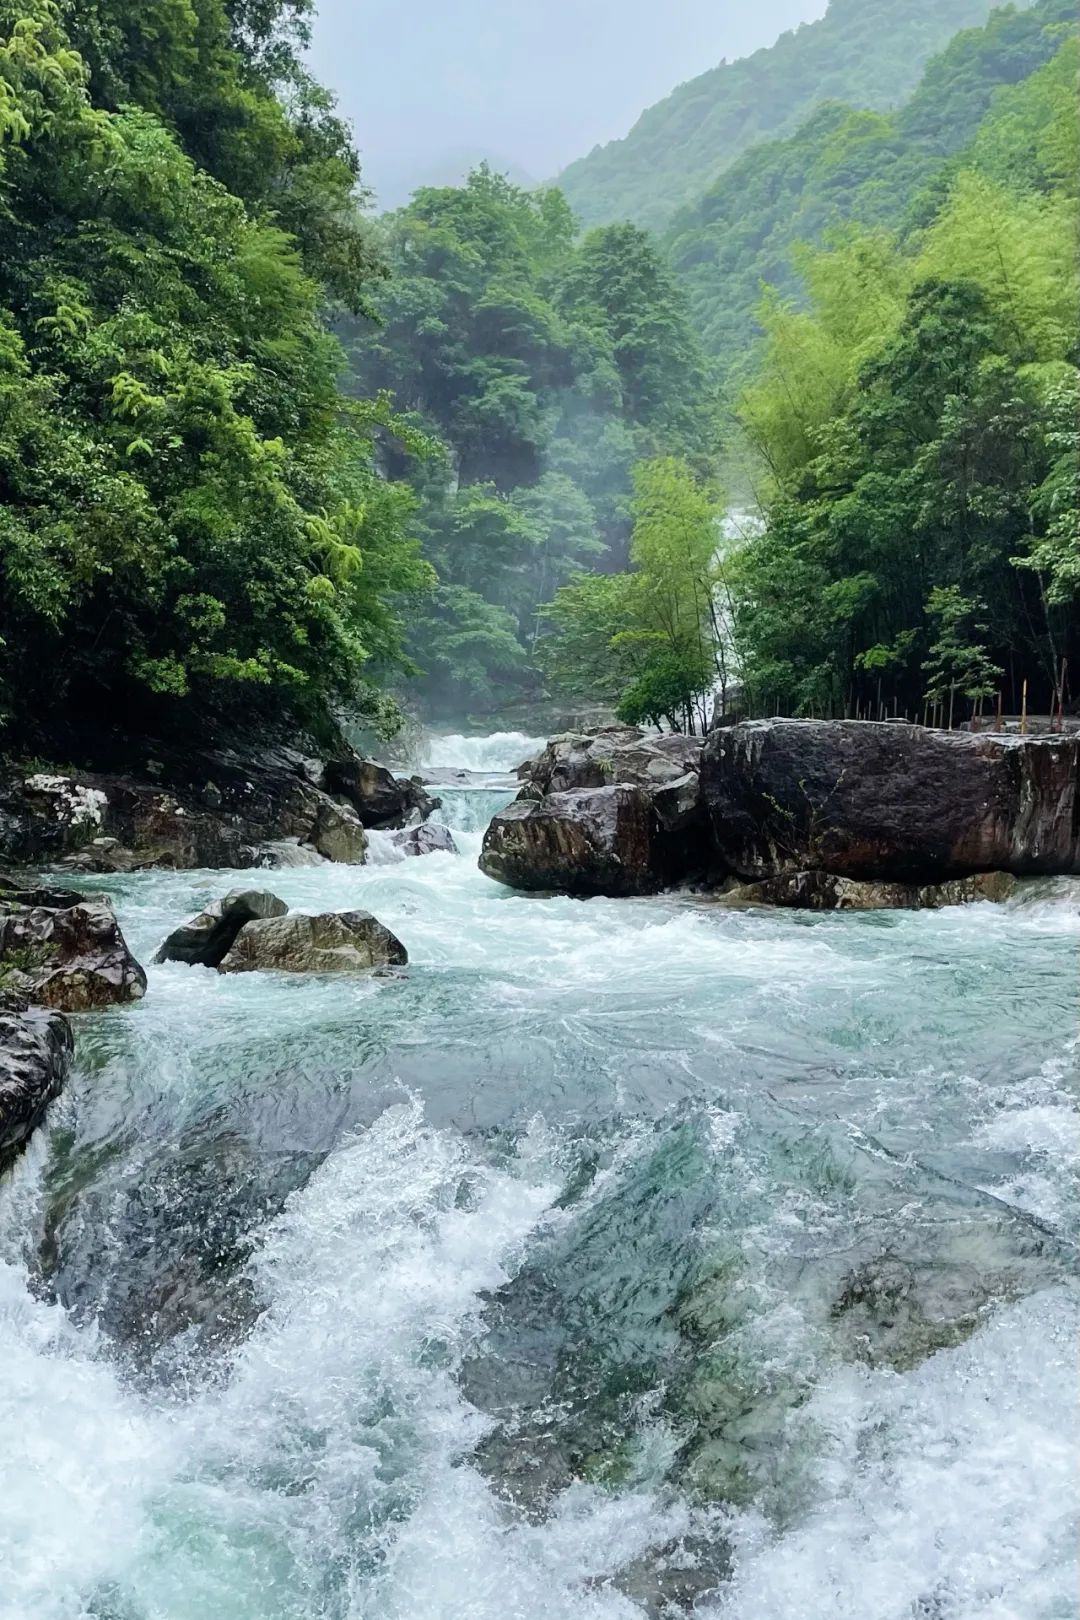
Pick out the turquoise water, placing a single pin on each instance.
(615, 1258)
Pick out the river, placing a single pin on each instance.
(615, 1258)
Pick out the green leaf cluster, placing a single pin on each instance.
(192, 521)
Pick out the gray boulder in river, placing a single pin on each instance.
(336, 942)
(35, 1055)
(612, 813)
(208, 937)
(430, 838)
(65, 951)
(604, 840)
(890, 802)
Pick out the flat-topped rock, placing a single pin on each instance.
(616, 755)
(890, 802)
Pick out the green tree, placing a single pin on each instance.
(190, 522)
(956, 663)
(649, 638)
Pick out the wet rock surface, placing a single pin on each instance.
(72, 958)
(804, 806)
(335, 942)
(35, 1056)
(430, 838)
(890, 801)
(824, 891)
(143, 806)
(208, 937)
(600, 841)
(379, 798)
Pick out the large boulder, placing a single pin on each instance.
(430, 838)
(336, 942)
(209, 937)
(824, 891)
(605, 840)
(890, 802)
(71, 958)
(607, 758)
(379, 798)
(35, 1055)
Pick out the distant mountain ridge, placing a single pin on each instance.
(843, 165)
(870, 53)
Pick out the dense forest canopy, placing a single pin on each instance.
(867, 53)
(189, 520)
(911, 414)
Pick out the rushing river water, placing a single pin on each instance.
(616, 1259)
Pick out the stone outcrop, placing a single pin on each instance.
(35, 1055)
(207, 938)
(615, 756)
(613, 813)
(71, 957)
(336, 942)
(430, 838)
(379, 798)
(890, 802)
(824, 891)
(599, 841)
(162, 806)
(895, 805)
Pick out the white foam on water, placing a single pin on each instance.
(947, 1493)
(329, 1475)
(499, 752)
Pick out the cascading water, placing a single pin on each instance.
(618, 1259)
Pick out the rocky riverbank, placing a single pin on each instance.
(164, 806)
(62, 951)
(778, 806)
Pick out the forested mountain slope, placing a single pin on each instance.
(846, 165)
(869, 53)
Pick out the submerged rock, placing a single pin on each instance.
(824, 891)
(890, 802)
(35, 1055)
(430, 838)
(71, 958)
(599, 841)
(335, 942)
(208, 937)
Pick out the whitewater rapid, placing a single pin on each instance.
(456, 1295)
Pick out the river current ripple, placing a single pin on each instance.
(616, 1259)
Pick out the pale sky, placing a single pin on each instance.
(432, 86)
